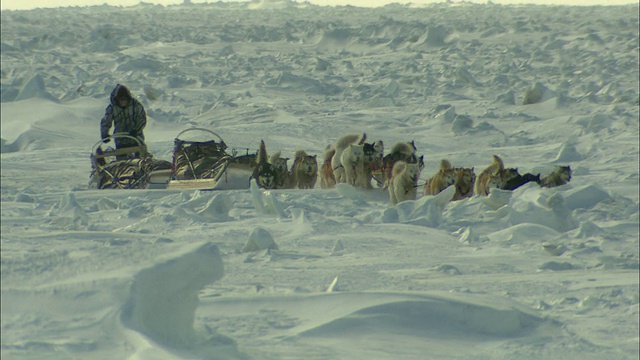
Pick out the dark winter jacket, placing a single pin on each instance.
(130, 120)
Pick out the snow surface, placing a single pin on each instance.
(535, 273)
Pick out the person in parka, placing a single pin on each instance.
(127, 116)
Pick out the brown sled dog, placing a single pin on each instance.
(494, 176)
(327, 178)
(465, 179)
(304, 171)
(444, 178)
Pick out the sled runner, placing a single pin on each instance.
(124, 168)
(206, 165)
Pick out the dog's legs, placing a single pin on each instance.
(339, 174)
(392, 195)
(361, 177)
(348, 174)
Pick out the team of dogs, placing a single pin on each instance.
(353, 161)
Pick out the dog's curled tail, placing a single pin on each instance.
(328, 155)
(445, 164)
(398, 168)
(403, 148)
(363, 138)
(346, 140)
(262, 153)
(300, 154)
(497, 165)
(274, 157)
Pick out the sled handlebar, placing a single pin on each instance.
(200, 129)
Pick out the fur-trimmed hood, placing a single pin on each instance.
(118, 91)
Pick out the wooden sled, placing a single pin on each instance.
(206, 165)
(124, 168)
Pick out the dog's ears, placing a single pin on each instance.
(314, 156)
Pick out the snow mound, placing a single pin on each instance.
(524, 233)
(163, 299)
(259, 239)
(35, 88)
(429, 317)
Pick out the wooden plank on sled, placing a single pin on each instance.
(203, 184)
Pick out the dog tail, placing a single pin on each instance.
(445, 164)
(275, 156)
(398, 167)
(300, 154)
(362, 139)
(262, 153)
(345, 141)
(403, 148)
(328, 155)
(328, 180)
(497, 164)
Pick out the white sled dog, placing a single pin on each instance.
(352, 161)
(404, 182)
(340, 146)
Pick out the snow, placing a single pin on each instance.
(534, 273)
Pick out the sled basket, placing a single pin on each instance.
(124, 168)
(193, 160)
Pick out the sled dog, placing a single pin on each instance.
(402, 151)
(304, 170)
(403, 182)
(560, 176)
(327, 179)
(352, 160)
(444, 178)
(520, 180)
(282, 179)
(343, 143)
(494, 176)
(373, 154)
(263, 172)
(465, 179)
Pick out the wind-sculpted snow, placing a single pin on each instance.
(162, 303)
(534, 273)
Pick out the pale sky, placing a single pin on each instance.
(31, 4)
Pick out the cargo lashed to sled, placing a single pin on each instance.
(206, 165)
(124, 168)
